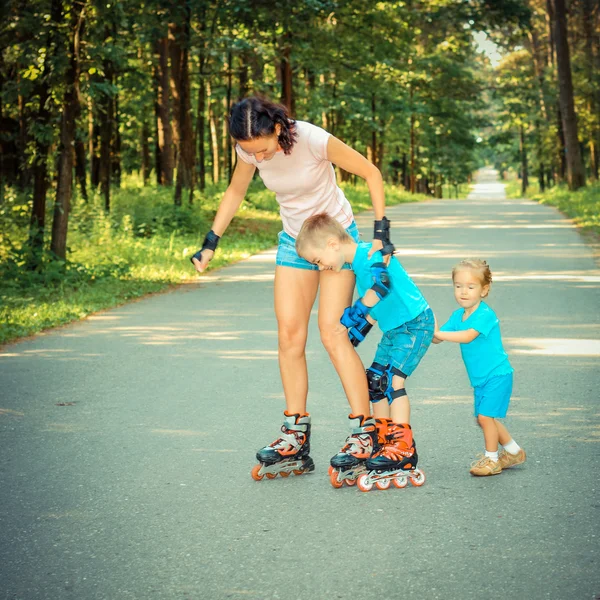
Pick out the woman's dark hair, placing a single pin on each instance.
(255, 117)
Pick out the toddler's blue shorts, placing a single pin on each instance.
(493, 396)
(288, 257)
(405, 346)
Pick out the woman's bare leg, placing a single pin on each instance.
(295, 293)
(335, 296)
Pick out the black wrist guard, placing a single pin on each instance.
(211, 241)
(381, 231)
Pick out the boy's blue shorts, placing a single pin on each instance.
(492, 397)
(405, 346)
(288, 257)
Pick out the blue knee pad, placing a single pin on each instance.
(380, 379)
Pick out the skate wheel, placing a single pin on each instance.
(330, 470)
(333, 477)
(382, 484)
(285, 473)
(400, 483)
(364, 485)
(418, 478)
(350, 482)
(298, 471)
(255, 473)
(271, 475)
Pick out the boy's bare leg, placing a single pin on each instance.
(400, 408)
(295, 293)
(381, 409)
(490, 432)
(335, 296)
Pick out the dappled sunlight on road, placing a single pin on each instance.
(230, 277)
(11, 413)
(554, 346)
(249, 354)
(178, 432)
(457, 399)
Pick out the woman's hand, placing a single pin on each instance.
(200, 265)
(378, 245)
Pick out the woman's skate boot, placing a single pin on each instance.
(288, 453)
(394, 463)
(349, 463)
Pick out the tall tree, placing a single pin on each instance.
(575, 170)
(70, 112)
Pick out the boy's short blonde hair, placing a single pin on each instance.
(316, 230)
(479, 266)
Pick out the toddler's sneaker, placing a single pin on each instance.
(508, 460)
(485, 466)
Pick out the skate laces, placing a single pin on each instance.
(289, 440)
(358, 445)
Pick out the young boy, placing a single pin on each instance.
(390, 297)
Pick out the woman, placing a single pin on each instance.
(295, 160)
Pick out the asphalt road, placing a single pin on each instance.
(127, 440)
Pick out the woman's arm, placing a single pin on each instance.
(231, 201)
(352, 161)
(462, 337)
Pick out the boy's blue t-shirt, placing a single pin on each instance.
(484, 357)
(402, 304)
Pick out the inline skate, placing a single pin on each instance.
(288, 453)
(394, 463)
(349, 463)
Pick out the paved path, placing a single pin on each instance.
(127, 440)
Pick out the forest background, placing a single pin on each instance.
(114, 150)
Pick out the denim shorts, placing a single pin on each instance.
(288, 257)
(405, 346)
(492, 397)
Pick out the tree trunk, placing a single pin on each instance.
(145, 152)
(163, 103)
(24, 171)
(37, 223)
(185, 154)
(227, 105)
(374, 148)
(243, 76)
(201, 123)
(158, 131)
(412, 154)
(115, 159)
(404, 172)
(593, 108)
(538, 68)
(285, 70)
(70, 112)
(524, 168)
(106, 119)
(80, 166)
(174, 82)
(214, 140)
(575, 171)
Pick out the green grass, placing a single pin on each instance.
(142, 247)
(583, 205)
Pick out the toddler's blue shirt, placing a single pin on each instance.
(402, 304)
(484, 357)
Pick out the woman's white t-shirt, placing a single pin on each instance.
(304, 180)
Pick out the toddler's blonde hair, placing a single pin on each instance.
(316, 230)
(479, 266)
